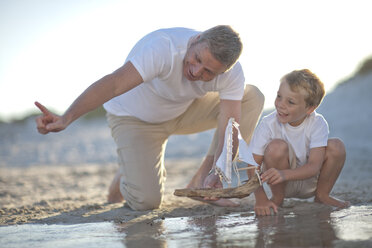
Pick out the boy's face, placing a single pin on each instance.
(291, 106)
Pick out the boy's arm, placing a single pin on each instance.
(311, 168)
(263, 204)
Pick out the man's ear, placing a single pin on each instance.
(193, 40)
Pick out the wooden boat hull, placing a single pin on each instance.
(237, 192)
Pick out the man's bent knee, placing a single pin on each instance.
(142, 202)
(146, 204)
(141, 199)
(253, 93)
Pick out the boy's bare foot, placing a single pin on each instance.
(276, 201)
(115, 195)
(331, 201)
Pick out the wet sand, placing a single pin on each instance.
(76, 194)
(67, 196)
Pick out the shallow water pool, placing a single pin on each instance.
(350, 227)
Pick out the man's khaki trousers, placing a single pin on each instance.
(141, 145)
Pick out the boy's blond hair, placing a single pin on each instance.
(309, 82)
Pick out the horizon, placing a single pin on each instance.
(52, 50)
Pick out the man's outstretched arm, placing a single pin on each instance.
(120, 81)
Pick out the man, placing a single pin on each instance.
(174, 81)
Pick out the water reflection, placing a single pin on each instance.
(143, 234)
(300, 226)
(296, 230)
(303, 229)
(354, 223)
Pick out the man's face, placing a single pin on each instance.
(200, 65)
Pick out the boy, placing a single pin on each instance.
(292, 146)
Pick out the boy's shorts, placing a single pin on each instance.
(299, 188)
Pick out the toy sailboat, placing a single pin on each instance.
(224, 167)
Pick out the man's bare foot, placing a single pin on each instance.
(115, 195)
(198, 180)
(331, 201)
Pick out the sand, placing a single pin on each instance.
(77, 194)
(46, 191)
(72, 196)
(66, 194)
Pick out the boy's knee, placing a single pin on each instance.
(276, 149)
(336, 148)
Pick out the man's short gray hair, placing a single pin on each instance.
(224, 44)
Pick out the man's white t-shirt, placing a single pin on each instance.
(312, 132)
(166, 93)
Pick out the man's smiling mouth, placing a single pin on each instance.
(191, 76)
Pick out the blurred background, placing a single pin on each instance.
(51, 50)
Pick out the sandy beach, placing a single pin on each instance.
(66, 194)
(56, 186)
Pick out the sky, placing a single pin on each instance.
(52, 50)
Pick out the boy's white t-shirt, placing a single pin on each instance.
(166, 93)
(312, 132)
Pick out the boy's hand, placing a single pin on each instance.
(273, 176)
(263, 208)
